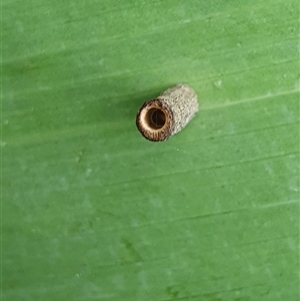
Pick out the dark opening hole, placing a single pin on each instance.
(156, 118)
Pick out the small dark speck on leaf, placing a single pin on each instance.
(172, 291)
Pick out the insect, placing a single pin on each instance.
(160, 118)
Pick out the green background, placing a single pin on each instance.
(93, 211)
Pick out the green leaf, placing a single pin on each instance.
(93, 211)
